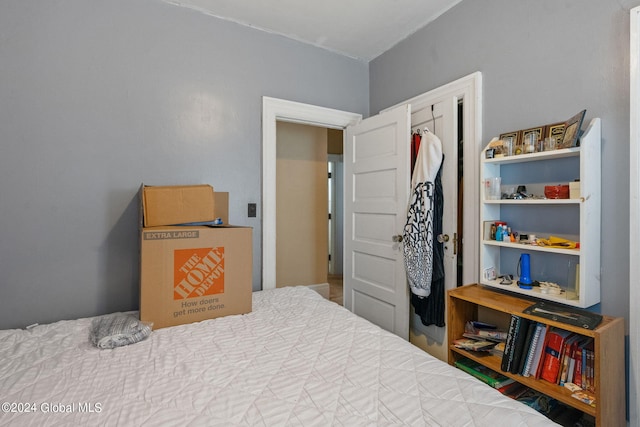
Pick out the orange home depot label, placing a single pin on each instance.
(198, 272)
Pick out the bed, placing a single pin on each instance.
(296, 359)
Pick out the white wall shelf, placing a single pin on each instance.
(576, 271)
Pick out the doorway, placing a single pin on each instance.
(309, 207)
(302, 227)
(274, 110)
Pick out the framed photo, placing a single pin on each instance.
(537, 130)
(515, 135)
(555, 130)
(572, 130)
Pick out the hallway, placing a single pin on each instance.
(335, 288)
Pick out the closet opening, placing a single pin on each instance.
(460, 227)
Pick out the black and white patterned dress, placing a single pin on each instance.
(418, 232)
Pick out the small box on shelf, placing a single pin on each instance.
(574, 190)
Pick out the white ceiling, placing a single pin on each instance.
(361, 29)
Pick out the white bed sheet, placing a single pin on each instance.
(297, 359)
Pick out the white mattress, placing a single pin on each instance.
(297, 359)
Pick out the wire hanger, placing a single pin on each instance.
(433, 117)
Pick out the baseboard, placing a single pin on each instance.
(321, 288)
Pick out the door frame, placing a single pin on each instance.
(634, 216)
(273, 110)
(470, 89)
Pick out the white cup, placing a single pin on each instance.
(492, 188)
(549, 143)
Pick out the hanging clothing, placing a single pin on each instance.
(416, 137)
(431, 308)
(418, 231)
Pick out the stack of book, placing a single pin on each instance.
(524, 347)
(484, 374)
(532, 349)
(549, 353)
(480, 336)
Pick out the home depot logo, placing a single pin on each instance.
(198, 272)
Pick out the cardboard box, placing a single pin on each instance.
(178, 204)
(574, 190)
(190, 274)
(221, 206)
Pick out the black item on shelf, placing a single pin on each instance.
(561, 313)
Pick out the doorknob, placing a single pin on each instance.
(442, 238)
(397, 238)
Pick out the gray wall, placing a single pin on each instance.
(541, 62)
(99, 96)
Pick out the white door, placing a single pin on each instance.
(376, 174)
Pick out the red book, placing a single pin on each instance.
(575, 364)
(577, 375)
(553, 354)
(542, 353)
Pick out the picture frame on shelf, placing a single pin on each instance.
(555, 130)
(515, 135)
(572, 130)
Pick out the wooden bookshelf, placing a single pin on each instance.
(473, 302)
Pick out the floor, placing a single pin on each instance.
(335, 289)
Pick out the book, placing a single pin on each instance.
(498, 349)
(585, 397)
(496, 336)
(482, 325)
(552, 354)
(583, 372)
(526, 347)
(473, 345)
(483, 331)
(513, 390)
(566, 356)
(537, 355)
(544, 341)
(577, 374)
(580, 357)
(533, 347)
(590, 380)
(507, 357)
(486, 375)
(573, 365)
(519, 344)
